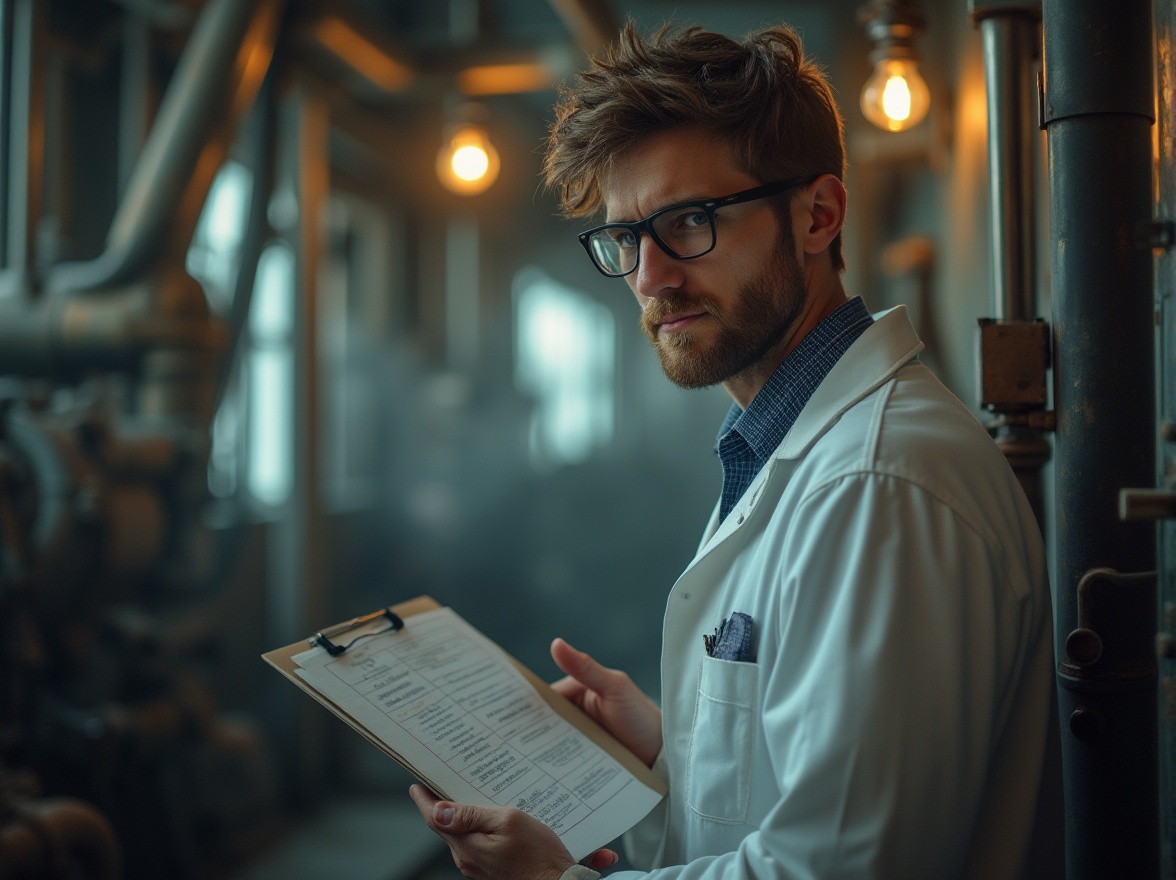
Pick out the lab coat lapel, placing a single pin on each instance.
(872, 360)
(876, 355)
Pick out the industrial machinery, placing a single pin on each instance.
(118, 560)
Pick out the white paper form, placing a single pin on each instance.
(454, 706)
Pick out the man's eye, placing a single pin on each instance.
(687, 220)
(624, 238)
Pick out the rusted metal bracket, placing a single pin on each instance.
(1014, 361)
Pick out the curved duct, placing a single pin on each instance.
(218, 77)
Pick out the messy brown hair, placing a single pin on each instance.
(773, 105)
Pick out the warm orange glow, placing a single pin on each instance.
(468, 163)
(362, 55)
(504, 79)
(896, 97)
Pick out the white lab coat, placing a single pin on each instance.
(897, 720)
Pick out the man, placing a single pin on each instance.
(878, 702)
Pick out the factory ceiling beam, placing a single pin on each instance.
(375, 68)
(359, 50)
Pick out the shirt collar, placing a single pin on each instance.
(776, 407)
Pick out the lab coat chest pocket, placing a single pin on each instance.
(722, 741)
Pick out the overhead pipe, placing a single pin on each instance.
(127, 312)
(219, 73)
(1098, 112)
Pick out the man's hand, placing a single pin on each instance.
(611, 699)
(499, 843)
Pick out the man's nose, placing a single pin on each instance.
(657, 274)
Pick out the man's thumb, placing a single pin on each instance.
(445, 817)
(578, 665)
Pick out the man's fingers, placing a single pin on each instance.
(568, 687)
(450, 818)
(429, 805)
(423, 798)
(601, 859)
(438, 814)
(580, 666)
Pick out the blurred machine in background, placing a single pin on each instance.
(261, 369)
(159, 163)
(116, 365)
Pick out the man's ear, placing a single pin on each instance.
(823, 213)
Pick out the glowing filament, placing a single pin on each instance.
(470, 162)
(895, 97)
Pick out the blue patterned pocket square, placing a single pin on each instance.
(732, 640)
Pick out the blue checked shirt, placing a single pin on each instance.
(748, 437)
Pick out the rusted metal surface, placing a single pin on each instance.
(1098, 111)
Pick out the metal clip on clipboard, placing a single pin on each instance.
(323, 639)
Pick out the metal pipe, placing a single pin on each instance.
(134, 80)
(1009, 50)
(219, 72)
(62, 337)
(1009, 32)
(24, 129)
(1098, 112)
(297, 581)
(6, 133)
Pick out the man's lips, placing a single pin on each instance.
(678, 321)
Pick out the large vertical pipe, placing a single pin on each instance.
(1009, 30)
(297, 590)
(1009, 49)
(1099, 110)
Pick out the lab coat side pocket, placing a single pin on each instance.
(722, 741)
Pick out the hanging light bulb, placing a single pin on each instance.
(895, 97)
(467, 163)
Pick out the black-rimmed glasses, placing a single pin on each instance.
(683, 231)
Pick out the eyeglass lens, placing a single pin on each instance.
(686, 231)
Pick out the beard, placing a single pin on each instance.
(750, 325)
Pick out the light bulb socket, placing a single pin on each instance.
(893, 25)
(894, 51)
(900, 14)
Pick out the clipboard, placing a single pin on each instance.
(342, 636)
